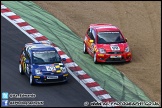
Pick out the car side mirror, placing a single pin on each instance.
(126, 39)
(63, 59)
(91, 41)
(27, 61)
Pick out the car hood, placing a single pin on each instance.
(113, 47)
(56, 67)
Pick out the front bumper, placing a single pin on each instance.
(43, 79)
(124, 57)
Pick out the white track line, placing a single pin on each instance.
(19, 20)
(19, 27)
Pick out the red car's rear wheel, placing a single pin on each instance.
(84, 49)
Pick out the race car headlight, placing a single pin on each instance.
(64, 70)
(38, 72)
(127, 49)
(101, 50)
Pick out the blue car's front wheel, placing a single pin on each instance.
(31, 80)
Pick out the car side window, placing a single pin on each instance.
(93, 35)
(27, 56)
(90, 33)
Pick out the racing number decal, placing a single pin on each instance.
(115, 48)
(50, 68)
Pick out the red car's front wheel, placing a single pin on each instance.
(31, 79)
(95, 58)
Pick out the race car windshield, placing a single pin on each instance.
(46, 57)
(110, 37)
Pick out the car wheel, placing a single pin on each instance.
(20, 69)
(31, 80)
(95, 59)
(84, 49)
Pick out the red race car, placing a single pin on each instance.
(106, 43)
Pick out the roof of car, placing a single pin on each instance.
(104, 27)
(39, 46)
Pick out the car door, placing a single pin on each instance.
(92, 43)
(27, 62)
(22, 59)
(88, 40)
(25, 56)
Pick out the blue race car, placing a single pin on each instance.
(42, 64)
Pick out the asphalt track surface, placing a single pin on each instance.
(70, 94)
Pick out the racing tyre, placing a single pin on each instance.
(84, 49)
(20, 69)
(95, 59)
(31, 80)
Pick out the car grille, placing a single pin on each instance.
(114, 52)
(115, 60)
(60, 79)
(50, 73)
(55, 80)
